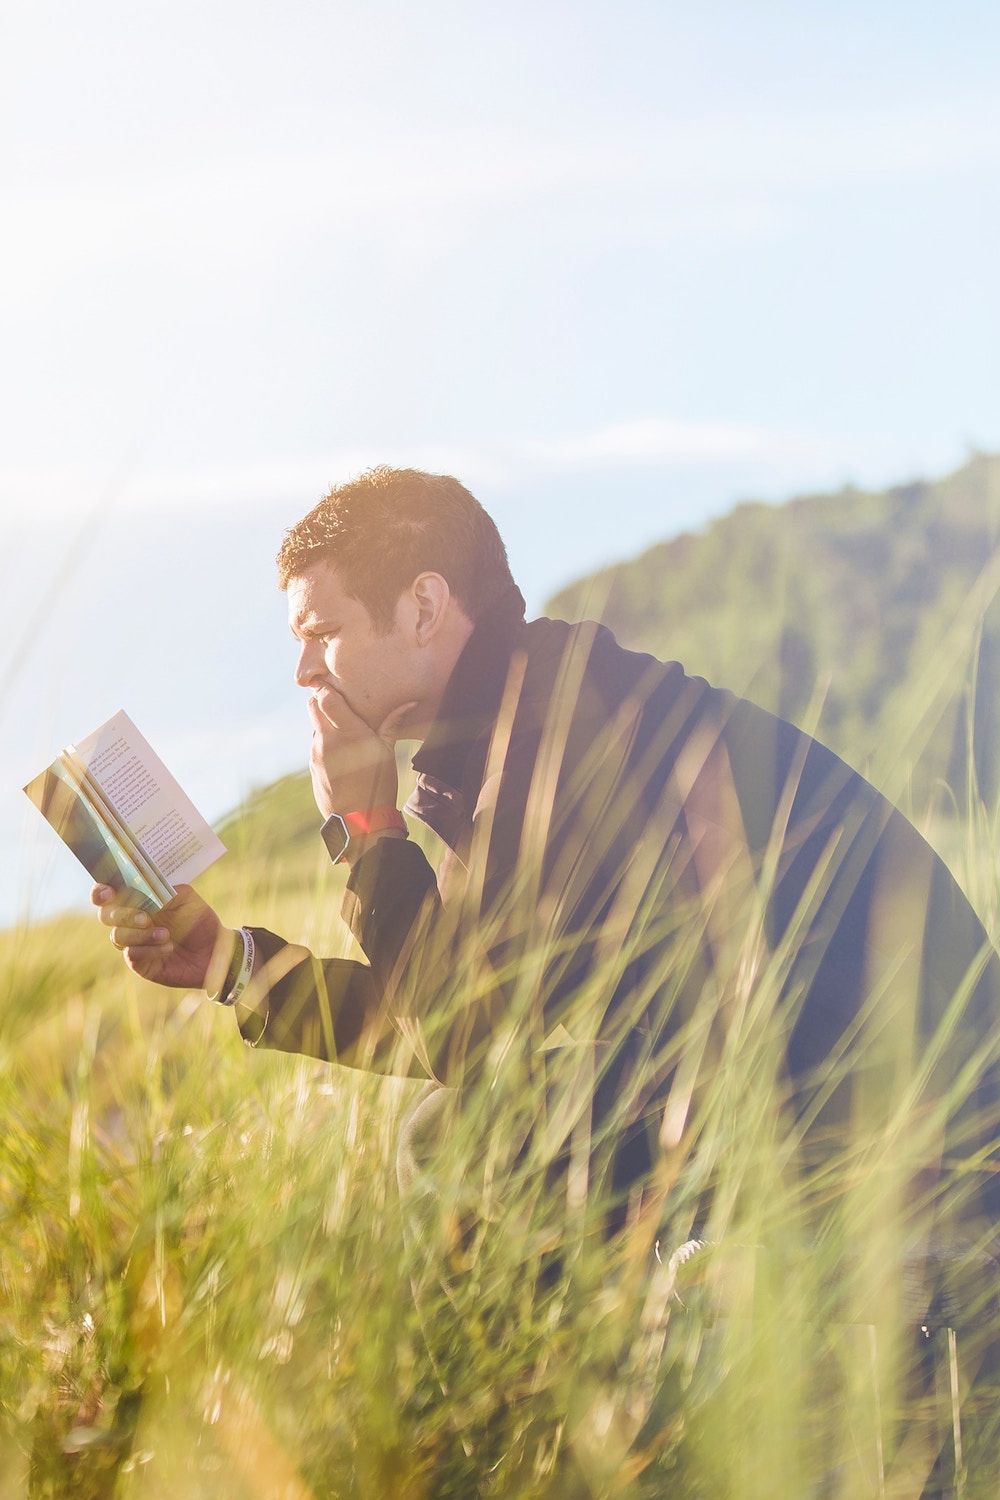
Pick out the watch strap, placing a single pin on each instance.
(340, 829)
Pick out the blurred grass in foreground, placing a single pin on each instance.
(212, 1286)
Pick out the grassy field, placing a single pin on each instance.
(213, 1287)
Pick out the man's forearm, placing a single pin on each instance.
(341, 1010)
(332, 1009)
(390, 889)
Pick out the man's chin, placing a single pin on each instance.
(366, 718)
(408, 729)
(374, 722)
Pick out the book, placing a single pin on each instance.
(113, 802)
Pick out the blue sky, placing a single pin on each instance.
(617, 267)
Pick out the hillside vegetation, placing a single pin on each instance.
(867, 617)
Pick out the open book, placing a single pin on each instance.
(114, 803)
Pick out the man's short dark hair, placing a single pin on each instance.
(387, 526)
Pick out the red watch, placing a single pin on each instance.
(340, 828)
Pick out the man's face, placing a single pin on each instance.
(341, 649)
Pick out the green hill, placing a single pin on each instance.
(865, 616)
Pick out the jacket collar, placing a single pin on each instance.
(458, 739)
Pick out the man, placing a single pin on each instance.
(641, 878)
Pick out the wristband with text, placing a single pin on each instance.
(240, 970)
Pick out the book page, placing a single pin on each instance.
(157, 812)
(57, 795)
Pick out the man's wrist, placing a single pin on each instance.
(240, 971)
(347, 835)
(359, 847)
(224, 964)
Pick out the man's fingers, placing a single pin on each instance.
(113, 915)
(391, 722)
(138, 937)
(328, 708)
(100, 895)
(144, 961)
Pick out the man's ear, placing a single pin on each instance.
(431, 597)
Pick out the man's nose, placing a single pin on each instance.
(309, 665)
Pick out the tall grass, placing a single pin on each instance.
(214, 1284)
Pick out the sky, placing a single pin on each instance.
(616, 267)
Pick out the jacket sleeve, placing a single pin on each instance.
(339, 1009)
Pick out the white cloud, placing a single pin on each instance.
(717, 172)
(657, 441)
(26, 493)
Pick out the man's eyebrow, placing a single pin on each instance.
(309, 627)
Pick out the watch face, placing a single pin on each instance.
(335, 836)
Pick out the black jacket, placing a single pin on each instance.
(604, 814)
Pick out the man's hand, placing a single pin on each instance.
(185, 945)
(353, 766)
